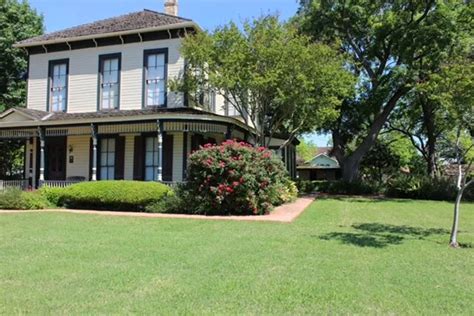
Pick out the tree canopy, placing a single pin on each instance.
(18, 21)
(393, 46)
(278, 80)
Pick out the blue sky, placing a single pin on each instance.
(60, 14)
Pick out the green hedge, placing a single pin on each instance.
(108, 195)
(15, 199)
(423, 188)
(338, 187)
(406, 187)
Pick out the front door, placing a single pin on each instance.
(56, 158)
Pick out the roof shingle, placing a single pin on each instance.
(128, 22)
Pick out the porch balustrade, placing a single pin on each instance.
(13, 184)
(58, 183)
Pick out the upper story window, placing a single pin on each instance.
(109, 81)
(58, 85)
(155, 75)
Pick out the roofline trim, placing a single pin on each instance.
(177, 116)
(322, 154)
(15, 110)
(103, 35)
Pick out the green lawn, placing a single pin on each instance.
(340, 257)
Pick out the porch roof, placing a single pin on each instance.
(24, 122)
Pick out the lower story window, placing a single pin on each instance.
(107, 159)
(151, 158)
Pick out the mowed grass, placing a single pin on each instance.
(340, 257)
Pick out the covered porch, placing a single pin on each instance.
(153, 147)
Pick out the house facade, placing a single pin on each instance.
(99, 106)
(321, 167)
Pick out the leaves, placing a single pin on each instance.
(276, 78)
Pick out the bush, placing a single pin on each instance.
(338, 187)
(308, 186)
(174, 202)
(54, 196)
(235, 178)
(110, 195)
(352, 188)
(424, 188)
(15, 199)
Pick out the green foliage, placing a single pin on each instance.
(393, 46)
(174, 202)
(55, 196)
(235, 178)
(306, 150)
(275, 77)
(426, 188)
(386, 159)
(339, 187)
(308, 186)
(15, 199)
(109, 195)
(18, 21)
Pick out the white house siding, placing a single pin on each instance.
(80, 151)
(83, 75)
(177, 157)
(129, 156)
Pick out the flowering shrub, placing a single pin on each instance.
(236, 178)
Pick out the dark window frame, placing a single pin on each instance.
(102, 59)
(51, 65)
(147, 53)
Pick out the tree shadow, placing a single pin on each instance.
(378, 235)
(362, 199)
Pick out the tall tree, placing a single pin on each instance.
(18, 21)
(393, 46)
(278, 80)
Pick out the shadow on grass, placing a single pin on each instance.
(378, 235)
(362, 199)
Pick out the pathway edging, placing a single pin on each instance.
(286, 213)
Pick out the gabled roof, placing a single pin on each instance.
(141, 20)
(33, 115)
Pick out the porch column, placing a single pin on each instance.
(159, 171)
(94, 152)
(228, 134)
(41, 133)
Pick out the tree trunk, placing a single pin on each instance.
(350, 168)
(351, 164)
(453, 242)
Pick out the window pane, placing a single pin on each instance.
(149, 159)
(150, 174)
(103, 173)
(111, 175)
(111, 159)
(112, 144)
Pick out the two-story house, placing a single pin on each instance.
(99, 106)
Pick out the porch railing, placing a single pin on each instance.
(59, 183)
(13, 184)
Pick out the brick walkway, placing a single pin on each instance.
(285, 213)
